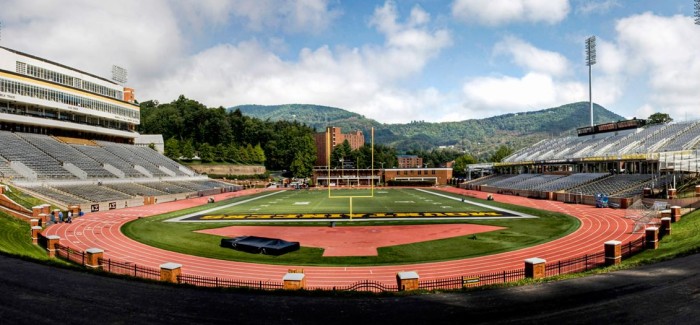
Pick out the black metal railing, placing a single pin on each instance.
(203, 281)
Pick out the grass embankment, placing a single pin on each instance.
(181, 237)
(22, 198)
(15, 239)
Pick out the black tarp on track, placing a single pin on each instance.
(260, 245)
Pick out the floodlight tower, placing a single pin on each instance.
(697, 12)
(590, 61)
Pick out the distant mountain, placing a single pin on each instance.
(477, 136)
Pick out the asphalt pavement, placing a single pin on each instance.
(663, 293)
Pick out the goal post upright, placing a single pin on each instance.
(329, 148)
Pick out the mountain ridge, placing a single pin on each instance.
(477, 136)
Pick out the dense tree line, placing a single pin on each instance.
(213, 134)
(343, 155)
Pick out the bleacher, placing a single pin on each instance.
(613, 184)
(14, 148)
(570, 181)
(79, 171)
(65, 153)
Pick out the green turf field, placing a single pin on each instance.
(520, 232)
(345, 204)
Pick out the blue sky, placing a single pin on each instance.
(394, 61)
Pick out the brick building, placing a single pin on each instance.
(356, 140)
(409, 161)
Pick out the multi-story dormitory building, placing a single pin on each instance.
(67, 137)
(623, 160)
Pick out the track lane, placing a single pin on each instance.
(103, 230)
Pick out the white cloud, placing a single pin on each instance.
(362, 79)
(531, 58)
(663, 52)
(74, 33)
(591, 7)
(284, 16)
(501, 12)
(509, 94)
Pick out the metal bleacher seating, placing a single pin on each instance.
(93, 193)
(570, 181)
(127, 153)
(489, 179)
(14, 148)
(613, 184)
(66, 153)
(535, 181)
(134, 189)
(105, 157)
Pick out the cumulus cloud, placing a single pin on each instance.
(501, 12)
(531, 58)
(597, 7)
(362, 79)
(663, 52)
(511, 94)
(284, 16)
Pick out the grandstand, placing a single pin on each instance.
(618, 159)
(68, 137)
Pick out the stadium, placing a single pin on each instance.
(69, 141)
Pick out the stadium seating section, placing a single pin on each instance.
(78, 171)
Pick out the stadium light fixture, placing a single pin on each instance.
(697, 12)
(590, 61)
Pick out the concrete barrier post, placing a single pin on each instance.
(666, 214)
(646, 192)
(613, 252)
(36, 230)
(407, 281)
(675, 213)
(170, 271)
(44, 218)
(92, 257)
(33, 222)
(36, 210)
(671, 193)
(652, 237)
(697, 190)
(665, 227)
(294, 281)
(535, 268)
(51, 242)
(46, 208)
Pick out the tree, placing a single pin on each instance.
(659, 118)
(172, 148)
(220, 152)
(188, 149)
(259, 154)
(502, 152)
(206, 152)
(460, 166)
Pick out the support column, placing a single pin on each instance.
(92, 257)
(646, 192)
(675, 213)
(613, 252)
(51, 242)
(33, 222)
(535, 268)
(697, 190)
(652, 237)
(666, 214)
(665, 227)
(36, 230)
(170, 271)
(407, 281)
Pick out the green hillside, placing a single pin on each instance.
(478, 136)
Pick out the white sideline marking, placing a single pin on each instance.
(301, 203)
(522, 215)
(404, 202)
(221, 207)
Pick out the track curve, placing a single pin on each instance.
(103, 230)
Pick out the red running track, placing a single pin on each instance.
(102, 230)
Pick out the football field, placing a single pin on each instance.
(362, 204)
